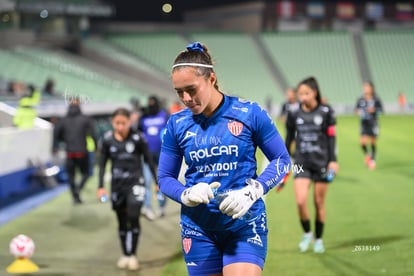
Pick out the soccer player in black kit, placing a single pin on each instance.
(125, 148)
(368, 107)
(312, 127)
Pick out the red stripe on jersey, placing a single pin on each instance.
(331, 131)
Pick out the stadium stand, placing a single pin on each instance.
(240, 66)
(296, 54)
(235, 74)
(22, 68)
(303, 54)
(390, 57)
(146, 76)
(117, 54)
(158, 49)
(93, 80)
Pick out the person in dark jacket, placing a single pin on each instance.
(73, 130)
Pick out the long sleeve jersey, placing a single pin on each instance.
(220, 148)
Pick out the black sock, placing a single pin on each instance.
(135, 230)
(134, 242)
(305, 225)
(364, 149)
(123, 240)
(373, 151)
(123, 230)
(318, 229)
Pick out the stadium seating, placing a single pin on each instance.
(240, 67)
(117, 53)
(158, 49)
(391, 60)
(239, 62)
(246, 77)
(35, 66)
(327, 56)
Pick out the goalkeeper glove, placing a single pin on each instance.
(237, 203)
(282, 183)
(199, 193)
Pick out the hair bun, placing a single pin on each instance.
(195, 46)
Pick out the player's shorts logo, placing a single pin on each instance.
(235, 127)
(255, 240)
(187, 245)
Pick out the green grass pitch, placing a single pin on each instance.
(365, 210)
(369, 228)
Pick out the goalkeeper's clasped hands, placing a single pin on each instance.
(235, 203)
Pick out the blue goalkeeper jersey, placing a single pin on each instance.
(220, 148)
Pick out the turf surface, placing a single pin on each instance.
(370, 219)
(83, 240)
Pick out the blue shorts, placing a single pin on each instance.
(207, 252)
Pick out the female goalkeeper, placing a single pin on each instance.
(217, 135)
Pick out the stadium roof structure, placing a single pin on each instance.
(65, 7)
(151, 10)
